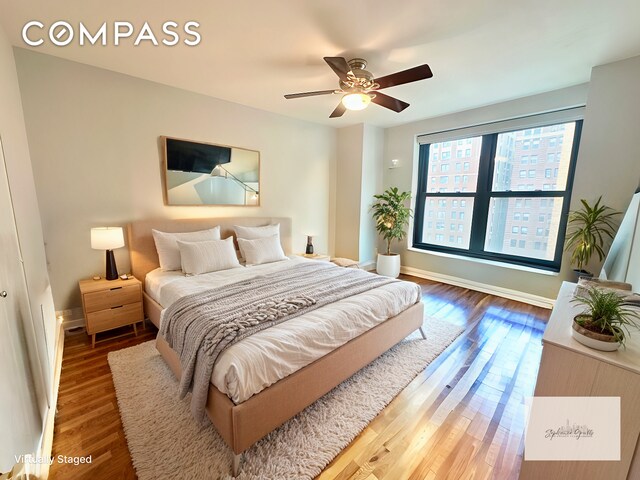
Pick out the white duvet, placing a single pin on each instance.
(262, 359)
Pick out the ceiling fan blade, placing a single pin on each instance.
(340, 66)
(309, 94)
(414, 74)
(339, 111)
(389, 102)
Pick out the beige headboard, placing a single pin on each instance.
(142, 249)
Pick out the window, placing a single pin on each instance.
(446, 155)
(467, 152)
(458, 153)
(458, 167)
(552, 141)
(494, 197)
(444, 167)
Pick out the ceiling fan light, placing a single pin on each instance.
(356, 101)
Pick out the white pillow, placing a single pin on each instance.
(167, 246)
(251, 233)
(208, 256)
(261, 250)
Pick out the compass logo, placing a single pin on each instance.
(62, 33)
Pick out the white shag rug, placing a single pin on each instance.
(166, 443)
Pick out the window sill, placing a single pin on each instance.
(494, 263)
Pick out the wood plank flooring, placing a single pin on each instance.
(462, 418)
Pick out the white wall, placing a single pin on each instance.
(94, 144)
(400, 143)
(348, 191)
(38, 318)
(372, 172)
(609, 162)
(358, 178)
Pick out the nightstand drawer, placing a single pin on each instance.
(96, 301)
(114, 317)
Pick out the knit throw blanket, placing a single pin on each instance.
(199, 327)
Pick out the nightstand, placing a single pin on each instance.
(109, 304)
(315, 256)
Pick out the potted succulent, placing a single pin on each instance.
(392, 218)
(591, 229)
(605, 321)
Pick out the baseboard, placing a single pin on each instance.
(516, 295)
(47, 435)
(73, 323)
(368, 266)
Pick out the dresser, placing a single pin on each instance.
(111, 304)
(569, 368)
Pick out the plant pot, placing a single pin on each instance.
(597, 341)
(388, 265)
(578, 274)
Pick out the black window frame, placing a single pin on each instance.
(482, 198)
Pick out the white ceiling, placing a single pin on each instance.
(254, 51)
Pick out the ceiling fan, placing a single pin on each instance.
(359, 87)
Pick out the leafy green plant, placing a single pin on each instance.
(590, 229)
(391, 215)
(605, 312)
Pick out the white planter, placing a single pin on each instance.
(589, 341)
(388, 265)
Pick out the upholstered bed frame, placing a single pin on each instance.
(244, 424)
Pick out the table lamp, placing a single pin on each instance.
(108, 238)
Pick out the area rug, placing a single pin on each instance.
(166, 443)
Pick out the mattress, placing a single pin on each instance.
(256, 362)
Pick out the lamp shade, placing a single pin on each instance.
(356, 101)
(107, 238)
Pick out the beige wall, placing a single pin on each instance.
(94, 134)
(400, 143)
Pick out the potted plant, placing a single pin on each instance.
(605, 321)
(591, 229)
(392, 218)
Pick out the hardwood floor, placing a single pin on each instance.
(462, 418)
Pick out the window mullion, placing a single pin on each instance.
(421, 196)
(483, 188)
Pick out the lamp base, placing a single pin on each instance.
(112, 271)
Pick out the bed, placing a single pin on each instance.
(244, 407)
